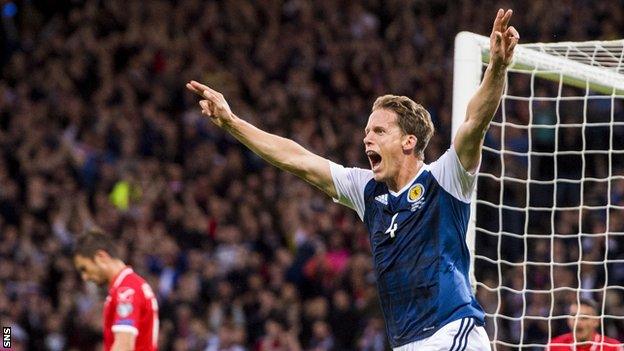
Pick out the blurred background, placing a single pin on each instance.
(96, 128)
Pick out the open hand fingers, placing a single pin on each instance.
(206, 89)
(212, 102)
(202, 90)
(497, 20)
(505, 20)
(207, 107)
(196, 91)
(503, 39)
(511, 36)
(204, 105)
(199, 86)
(512, 33)
(205, 92)
(502, 20)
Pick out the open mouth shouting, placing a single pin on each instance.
(374, 158)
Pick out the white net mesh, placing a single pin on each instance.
(550, 199)
(604, 54)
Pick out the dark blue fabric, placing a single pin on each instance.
(422, 272)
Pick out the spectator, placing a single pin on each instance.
(584, 323)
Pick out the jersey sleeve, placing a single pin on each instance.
(452, 176)
(350, 184)
(559, 343)
(128, 301)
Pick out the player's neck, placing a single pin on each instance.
(407, 171)
(115, 267)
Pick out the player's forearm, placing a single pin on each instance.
(484, 103)
(117, 346)
(280, 152)
(124, 341)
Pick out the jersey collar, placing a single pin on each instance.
(397, 194)
(120, 277)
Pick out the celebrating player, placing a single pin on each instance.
(583, 337)
(416, 213)
(131, 309)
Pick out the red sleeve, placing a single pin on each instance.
(127, 300)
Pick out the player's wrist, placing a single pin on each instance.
(232, 123)
(497, 68)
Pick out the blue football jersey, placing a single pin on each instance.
(418, 241)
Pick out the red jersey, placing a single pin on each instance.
(131, 307)
(599, 343)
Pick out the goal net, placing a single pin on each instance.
(547, 226)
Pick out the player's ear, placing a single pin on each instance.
(408, 142)
(101, 257)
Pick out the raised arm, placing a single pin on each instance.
(481, 108)
(281, 152)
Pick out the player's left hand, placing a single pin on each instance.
(213, 104)
(503, 40)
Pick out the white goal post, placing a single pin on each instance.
(587, 76)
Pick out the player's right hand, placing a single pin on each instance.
(213, 103)
(503, 40)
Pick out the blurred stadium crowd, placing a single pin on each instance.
(96, 129)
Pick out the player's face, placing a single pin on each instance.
(585, 326)
(383, 144)
(89, 270)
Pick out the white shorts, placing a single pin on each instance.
(459, 335)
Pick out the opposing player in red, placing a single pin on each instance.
(584, 325)
(131, 309)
